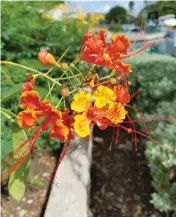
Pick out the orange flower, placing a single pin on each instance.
(93, 47)
(119, 45)
(30, 83)
(60, 131)
(121, 68)
(122, 95)
(96, 51)
(30, 99)
(27, 119)
(35, 110)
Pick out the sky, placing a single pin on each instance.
(105, 6)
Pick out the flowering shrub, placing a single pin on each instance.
(87, 99)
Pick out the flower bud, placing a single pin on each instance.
(30, 83)
(46, 58)
(129, 82)
(113, 80)
(72, 65)
(65, 92)
(64, 66)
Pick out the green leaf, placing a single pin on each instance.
(17, 181)
(11, 92)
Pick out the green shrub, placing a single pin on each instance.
(25, 30)
(115, 27)
(155, 76)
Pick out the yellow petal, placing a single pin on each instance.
(116, 113)
(82, 125)
(103, 96)
(81, 101)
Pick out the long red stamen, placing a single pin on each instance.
(124, 77)
(141, 117)
(151, 119)
(137, 35)
(113, 138)
(64, 153)
(133, 130)
(148, 45)
(148, 137)
(134, 94)
(117, 135)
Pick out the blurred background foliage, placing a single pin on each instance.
(26, 28)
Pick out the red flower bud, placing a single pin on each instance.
(46, 58)
(65, 92)
(29, 84)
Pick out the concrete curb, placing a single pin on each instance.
(69, 195)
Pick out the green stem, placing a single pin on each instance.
(93, 67)
(109, 76)
(59, 102)
(79, 72)
(6, 115)
(60, 79)
(50, 90)
(30, 69)
(8, 111)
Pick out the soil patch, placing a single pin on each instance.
(120, 179)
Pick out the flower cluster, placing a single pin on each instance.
(104, 107)
(94, 100)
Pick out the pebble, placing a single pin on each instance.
(18, 208)
(24, 199)
(36, 177)
(22, 213)
(45, 174)
(98, 140)
(120, 199)
(30, 201)
(110, 194)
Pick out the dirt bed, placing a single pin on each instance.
(121, 182)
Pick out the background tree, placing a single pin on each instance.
(131, 5)
(116, 14)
